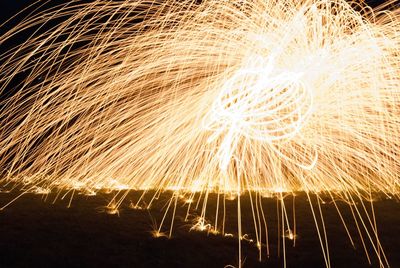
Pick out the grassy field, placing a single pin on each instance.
(37, 233)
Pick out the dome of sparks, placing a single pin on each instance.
(261, 97)
(295, 95)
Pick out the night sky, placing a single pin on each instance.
(10, 7)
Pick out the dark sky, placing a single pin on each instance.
(10, 7)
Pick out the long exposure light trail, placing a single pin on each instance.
(198, 97)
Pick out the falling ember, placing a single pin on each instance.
(258, 97)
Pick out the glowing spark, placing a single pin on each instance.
(201, 225)
(40, 190)
(189, 201)
(246, 238)
(289, 234)
(111, 209)
(157, 234)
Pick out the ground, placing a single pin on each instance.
(35, 232)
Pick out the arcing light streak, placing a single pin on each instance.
(253, 105)
(223, 96)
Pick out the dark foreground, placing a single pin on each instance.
(37, 233)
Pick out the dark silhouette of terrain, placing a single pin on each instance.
(38, 233)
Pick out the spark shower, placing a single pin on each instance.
(198, 97)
